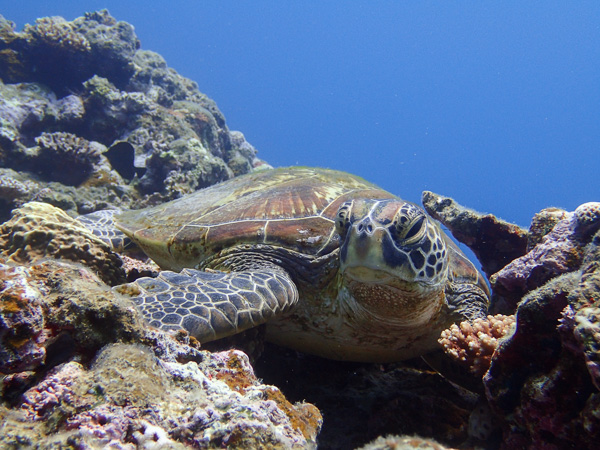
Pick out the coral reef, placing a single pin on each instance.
(542, 224)
(560, 251)
(17, 189)
(58, 316)
(82, 95)
(543, 377)
(51, 311)
(39, 230)
(21, 322)
(473, 344)
(80, 368)
(128, 396)
(541, 380)
(57, 150)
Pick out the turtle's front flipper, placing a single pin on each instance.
(467, 303)
(212, 305)
(102, 224)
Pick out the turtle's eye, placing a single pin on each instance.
(342, 219)
(407, 230)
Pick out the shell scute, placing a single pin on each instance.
(293, 208)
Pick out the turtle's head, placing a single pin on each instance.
(393, 258)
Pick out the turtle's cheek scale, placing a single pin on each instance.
(427, 259)
(391, 255)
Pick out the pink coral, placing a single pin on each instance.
(560, 251)
(474, 343)
(56, 389)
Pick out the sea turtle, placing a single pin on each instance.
(334, 265)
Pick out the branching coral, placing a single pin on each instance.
(474, 343)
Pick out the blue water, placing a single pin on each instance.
(495, 104)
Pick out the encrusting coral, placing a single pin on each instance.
(130, 398)
(39, 230)
(558, 252)
(474, 343)
(59, 150)
(57, 32)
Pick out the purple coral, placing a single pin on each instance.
(560, 251)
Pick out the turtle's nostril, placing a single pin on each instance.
(365, 227)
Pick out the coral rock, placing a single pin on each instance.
(38, 230)
(560, 251)
(55, 310)
(542, 224)
(130, 397)
(494, 241)
(543, 379)
(57, 150)
(21, 322)
(166, 138)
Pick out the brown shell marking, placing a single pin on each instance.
(294, 208)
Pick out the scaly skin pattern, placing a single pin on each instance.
(334, 265)
(208, 304)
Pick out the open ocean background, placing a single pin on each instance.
(496, 104)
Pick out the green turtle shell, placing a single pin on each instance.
(291, 208)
